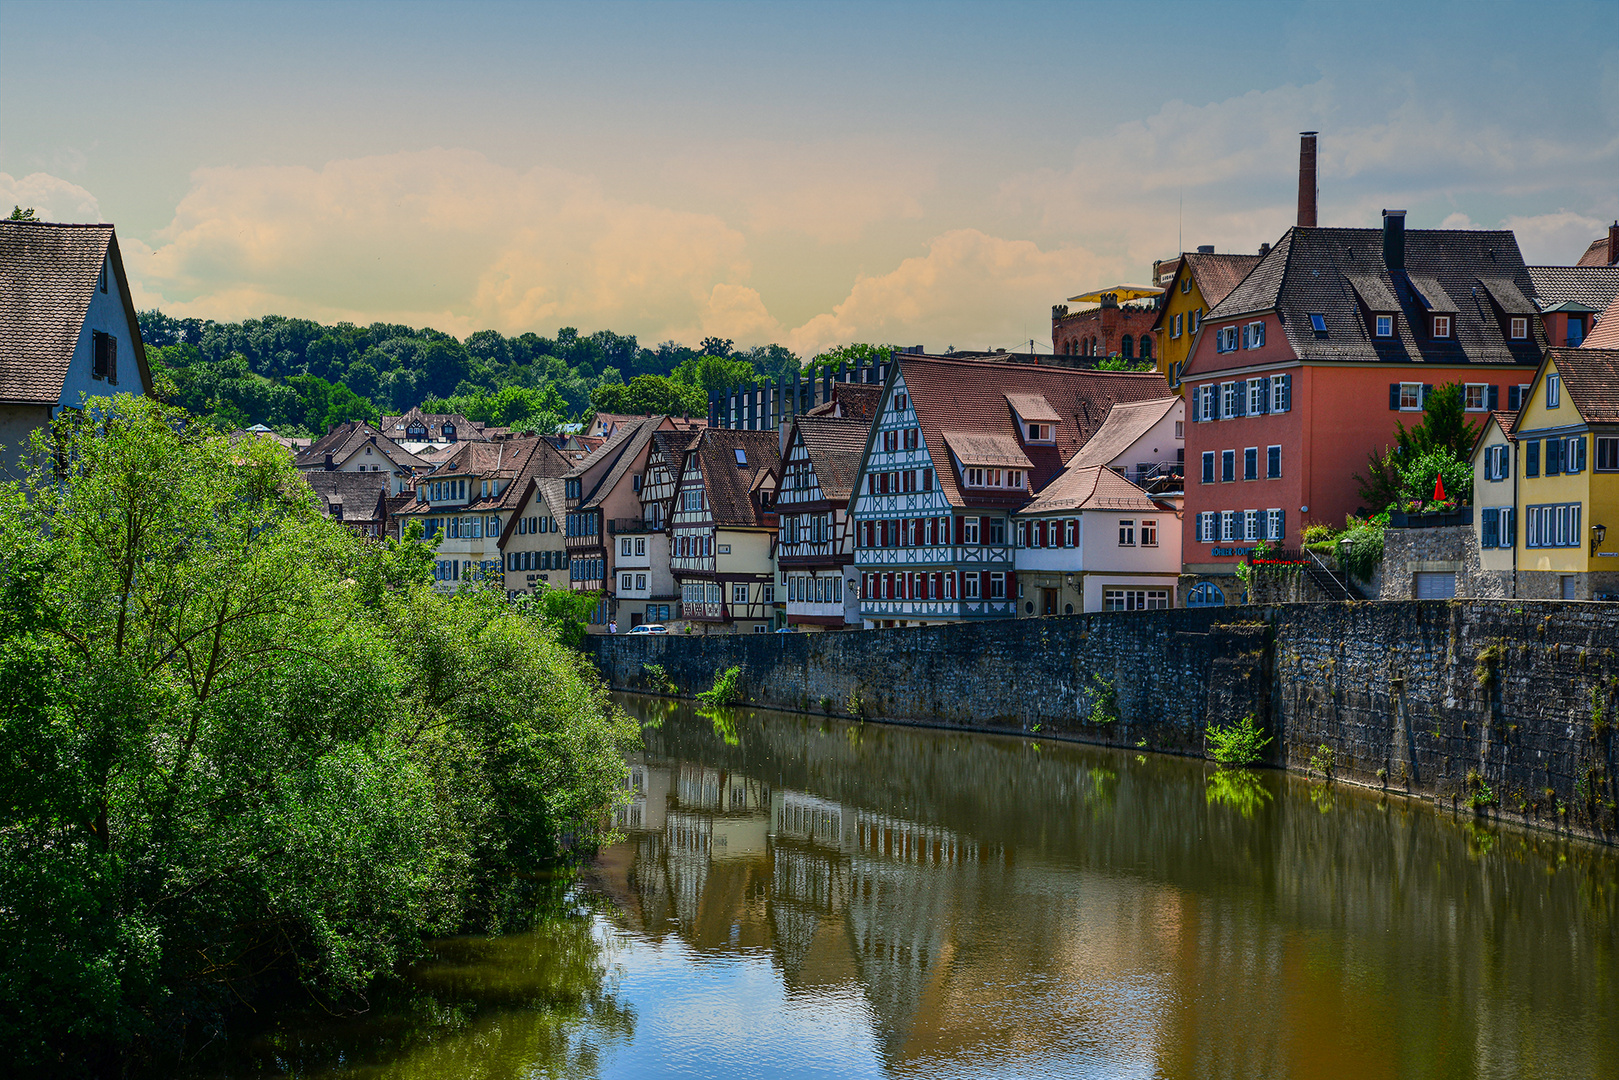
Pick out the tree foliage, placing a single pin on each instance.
(1444, 433)
(243, 747)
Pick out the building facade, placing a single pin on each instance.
(1306, 367)
(817, 584)
(722, 532)
(531, 543)
(1116, 321)
(1192, 285)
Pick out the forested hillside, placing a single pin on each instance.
(300, 377)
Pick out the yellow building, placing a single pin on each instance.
(1192, 285)
(1567, 434)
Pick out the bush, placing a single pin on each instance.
(1364, 551)
(727, 688)
(243, 749)
(1237, 744)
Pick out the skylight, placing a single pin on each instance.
(1318, 323)
(741, 456)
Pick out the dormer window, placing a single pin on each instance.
(1520, 328)
(449, 432)
(1040, 433)
(1385, 325)
(1441, 326)
(994, 478)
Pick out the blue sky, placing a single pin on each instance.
(929, 174)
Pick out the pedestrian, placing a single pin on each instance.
(612, 626)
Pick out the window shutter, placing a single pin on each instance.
(1191, 407)
(1394, 395)
(1554, 456)
(1579, 455)
(1287, 393)
(1427, 388)
(1509, 527)
(1512, 398)
(1281, 525)
(1264, 396)
(112, 359)
(1239, 398)
(1495, 398)
(1491, 534)
(1531, 457)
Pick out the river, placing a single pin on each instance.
(802, 897)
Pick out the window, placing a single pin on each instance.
(1127, 532)
(1554, 392)
(1072, 532)
(640, 545)
(103, 356)
(969, 530)
(1496, 463)
(997, 586)
(739, 591)
(1186, 284)
(1253, 335)
(1475, 397)
(1441, 326)
(767, 594)
(1318, 323)
(997, 530)
(1228, 466)
(1258, 394)
(1149, 533)
(626, 582)
(1175, 326)
(1273, 462)
(624, 546)
(1410, 396)
(741, 456)
(1385, 326)
(1250, 524)
(1206, 527)
(1607, 453)
(1520, 328)
(1274, 525)
(1281, 393)
(1228, 525)
(1557, 525)
(1041, 433)
(969, 586)
(1230, 402)
(1195, 319)
(1250, 463)
(1225, 339)
(1180, 429)
(1134, 599)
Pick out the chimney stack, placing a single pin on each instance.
(1394, 239)
(1613, 243)
(1307, 188)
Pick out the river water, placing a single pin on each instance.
(802, 897)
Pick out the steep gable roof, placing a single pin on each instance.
(1502, 420)
(1217, 274)
(1331, 272)
(48, 276)
(511, 460)
(1598, 254)
(526, 492)
(640, 435)
(966, 397)
(1590, 377)
(465, 430)
(851, 401)
(834, 446)
(363, 496)
(346, 439)
(730, 485)
(1090, 487)
(1126, 423)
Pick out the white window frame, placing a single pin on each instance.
(1273, 524)
(1228, 526)
(1441, 326)
(1256, 396)
(1384, 326)
(1250, 525)
(1149, 532)
(1554, 391)
(1519, 327)
(1416, 389)
(1254, 335)
(1127, 532)
(1483, 390)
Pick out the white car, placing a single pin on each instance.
(649, 628)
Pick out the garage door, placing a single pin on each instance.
(1433, 586)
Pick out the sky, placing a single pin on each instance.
(814, 173)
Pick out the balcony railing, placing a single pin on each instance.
(629, 525)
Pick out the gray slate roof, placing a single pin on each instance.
(835, 447)
(48, 275)
(1333, 272)
(1126, 422)
(1593, 286)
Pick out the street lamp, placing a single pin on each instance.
(1599, 533)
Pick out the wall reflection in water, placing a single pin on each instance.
(985, 905)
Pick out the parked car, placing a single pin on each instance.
(649, 628)
(786, 629)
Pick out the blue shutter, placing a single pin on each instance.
(1394, 395)
(1554, 456)
(1191, 403)
(1531, 457)
(1579, 455)
(1495, 398)
(1512, 398)
(1492, 529)
(1264, 397)
(1239, 393)
(1281, 533)
(1287, 393)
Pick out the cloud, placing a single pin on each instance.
(52, 198)
(971, 290)
(443, 237)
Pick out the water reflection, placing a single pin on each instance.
(954, 904)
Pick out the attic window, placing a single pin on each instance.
(741, 457)
(1441, 326)
(1186, 284)
(1520, 328)
(1318, 323)
(101, 279)
(1385, 326)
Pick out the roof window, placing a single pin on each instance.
(1318, 323)
(741, 457)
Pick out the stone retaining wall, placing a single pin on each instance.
(1509, 704)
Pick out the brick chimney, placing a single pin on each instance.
(1394, 239)
(1613, 243)
(1307, 188)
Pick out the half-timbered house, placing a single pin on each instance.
(722, 531)
(531, 543)
(604, 499)
(817, 585)
(666, 461)
(956, 449)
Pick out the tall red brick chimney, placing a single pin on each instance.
(1307, 178)
(1613, 243)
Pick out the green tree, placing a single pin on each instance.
(243, 747)
(19, 214)
(1444, 428)
(651, 395)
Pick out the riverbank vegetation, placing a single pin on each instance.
(243, 750)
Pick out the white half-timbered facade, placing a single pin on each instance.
(817, 585)
(722, 532)
(956, 449)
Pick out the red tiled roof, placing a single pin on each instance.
(729, 484)
(834, 446)
(48, 275)
(963, 396)
(1597, 254)
(1591, 378)
(1090, 487)
(1217, 274)
(1605, 334)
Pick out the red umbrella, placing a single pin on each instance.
(1438, 489)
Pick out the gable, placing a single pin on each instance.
(1535, 414)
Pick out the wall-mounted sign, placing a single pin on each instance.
(1223, 553)
(725, 549)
